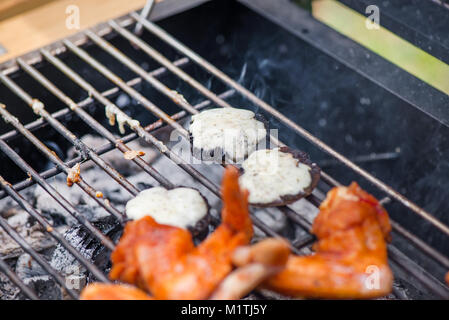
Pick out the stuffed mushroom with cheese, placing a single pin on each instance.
(224, 134)
(280, 176)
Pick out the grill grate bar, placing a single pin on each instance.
(163, 35)
(166, 63)
(17, 281)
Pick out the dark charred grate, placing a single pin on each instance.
(98, 37)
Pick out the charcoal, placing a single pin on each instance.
(89, 247)
(27, 267)
(35, 277)
(45, 286)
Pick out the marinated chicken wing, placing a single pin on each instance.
(163, 259)
(350, 259)
(100, 291)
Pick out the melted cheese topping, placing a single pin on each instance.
(113, 113)
(180, 207)
(270, 174)
(235, 131)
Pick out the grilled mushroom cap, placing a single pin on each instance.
(278, 177)
(225, 133)
(180, 207)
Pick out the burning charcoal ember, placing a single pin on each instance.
(225, 133)
(278, 176)
(30, 230)
(34, 276)
(89, 246)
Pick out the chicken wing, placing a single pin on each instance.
(350, 259)
(101, 291)
(164, 261)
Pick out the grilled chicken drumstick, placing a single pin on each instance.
(351, 253)
(163, 259)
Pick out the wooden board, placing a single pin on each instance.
(46, 23)
(10, 8)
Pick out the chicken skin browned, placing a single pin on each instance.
(100, 291)
(350, 259)
(164, 261)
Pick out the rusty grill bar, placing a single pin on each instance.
(146, 133)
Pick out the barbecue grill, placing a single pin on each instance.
(164, 82)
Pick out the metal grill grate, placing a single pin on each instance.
(146, 133)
